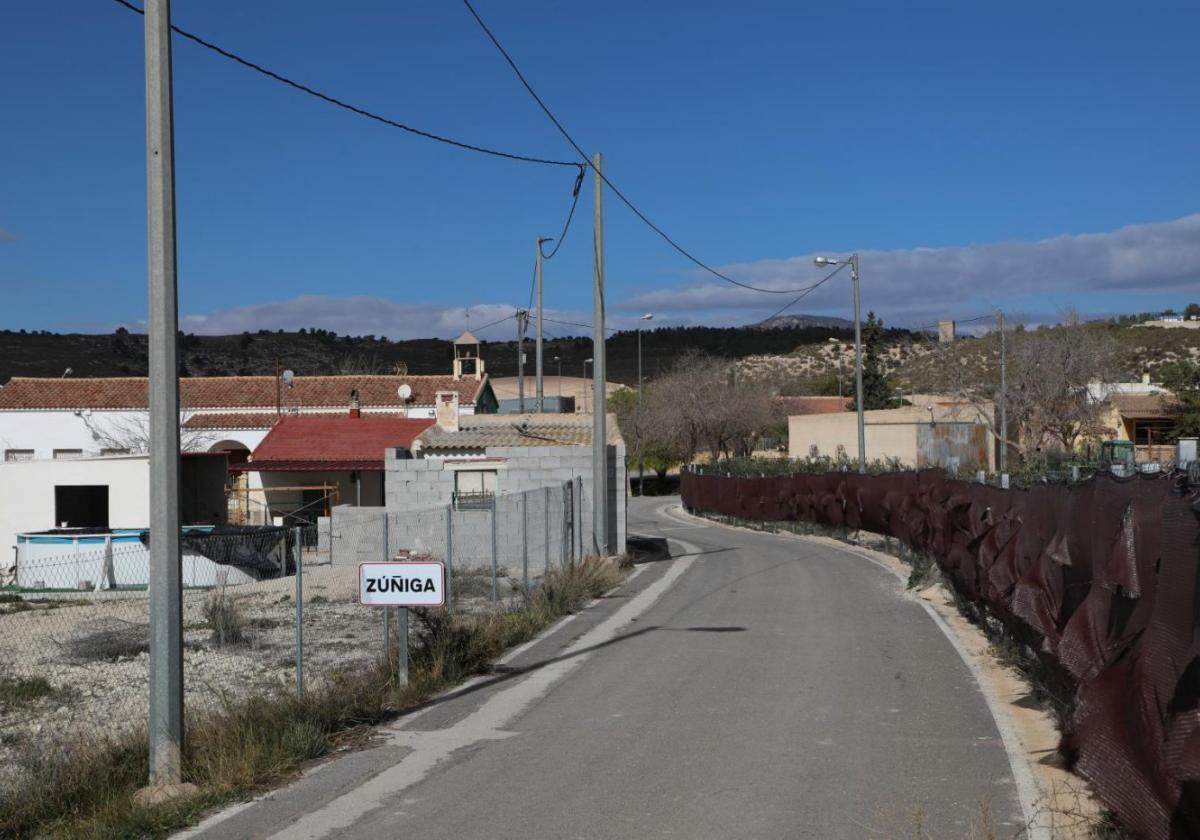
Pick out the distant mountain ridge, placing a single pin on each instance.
(800, 322)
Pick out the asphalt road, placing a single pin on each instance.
(751, 686)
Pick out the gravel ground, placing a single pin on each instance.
(92, 650)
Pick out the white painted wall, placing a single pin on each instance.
(46, 430)
(27, 493)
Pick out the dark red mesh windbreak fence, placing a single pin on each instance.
(1100, 577)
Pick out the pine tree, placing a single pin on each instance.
(876, 391)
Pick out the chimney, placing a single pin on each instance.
(355, 408)
(945, 332)
(1145, 377)
(446, 411)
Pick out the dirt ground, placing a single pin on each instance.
(91, 649)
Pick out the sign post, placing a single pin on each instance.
(403, 585)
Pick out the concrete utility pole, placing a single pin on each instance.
(522, 322)
(1003, 399)
(166, 593)
(599, 430)
(858, 368)
(858, 355)
(537, 273)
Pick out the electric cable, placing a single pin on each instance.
(354, 109)
(620, 195)
(806, 292)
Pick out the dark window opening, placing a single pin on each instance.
(81, 506)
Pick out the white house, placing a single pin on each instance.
(97, 495)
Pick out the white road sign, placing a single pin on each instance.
(417, 584)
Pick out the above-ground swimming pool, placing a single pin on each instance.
(89, 558)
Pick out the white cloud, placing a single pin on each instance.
(907, 287)
(927, 283)
(364, 315)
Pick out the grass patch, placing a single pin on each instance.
(224, 618)
(10, 598)
(85, 788)
(17, 691)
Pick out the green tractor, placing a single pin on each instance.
(1117, 457)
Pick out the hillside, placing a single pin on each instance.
(915, 363)
(322, 352)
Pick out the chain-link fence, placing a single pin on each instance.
(75, 628)
(264, 609)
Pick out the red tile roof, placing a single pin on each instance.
(338, 442)
(374, 391)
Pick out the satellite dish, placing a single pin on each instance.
(288, 377)
(405, 391)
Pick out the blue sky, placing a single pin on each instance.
(1023, 155)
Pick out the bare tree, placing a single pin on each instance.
(701, 405)
(1048, 371)
(130, 432)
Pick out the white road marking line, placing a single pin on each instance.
(484, 724)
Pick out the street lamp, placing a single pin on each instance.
(649, 316)
(586, 362)
(852, 261)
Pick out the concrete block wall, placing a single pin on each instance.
(419, 492)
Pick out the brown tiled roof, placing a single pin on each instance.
(1142, 406)
(337, 442)
(226, 420)
(484, 430)
(234, 391)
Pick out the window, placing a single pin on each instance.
(81, 505)
(11, 455)
(474, 489)
(66, 454)
(114, 451)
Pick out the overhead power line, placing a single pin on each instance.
(562, 237)
(806, 292)
(546, 110)
(354, 109)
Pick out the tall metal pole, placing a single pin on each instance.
(641, 456)
(537, 273)
(599, 431)
(522, 317)
(1003, 400)
(166, 592)
(858, 368)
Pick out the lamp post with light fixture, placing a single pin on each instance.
(852, 260)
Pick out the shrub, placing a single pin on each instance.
(224, 618)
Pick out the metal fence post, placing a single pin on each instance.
(495, 593)
(298, 552)
(386, 610)
(577, 518)
(546, 518)
(402, 646)
(450, 557)
(525, 540)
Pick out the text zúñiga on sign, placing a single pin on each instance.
(420, 584)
